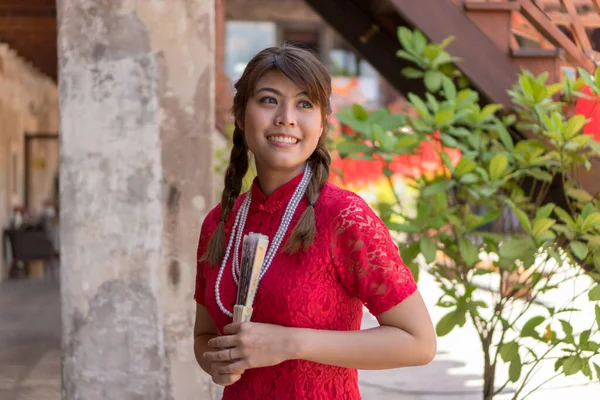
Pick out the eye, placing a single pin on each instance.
(305, 104)
(268, 100)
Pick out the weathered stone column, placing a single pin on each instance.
(137, 113)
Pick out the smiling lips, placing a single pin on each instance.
(282, 140)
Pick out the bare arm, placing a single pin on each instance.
(405, 338)
(204, 330)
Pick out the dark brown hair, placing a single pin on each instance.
(305, 70)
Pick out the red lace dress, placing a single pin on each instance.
(352, 262)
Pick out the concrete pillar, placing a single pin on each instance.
(137, 113)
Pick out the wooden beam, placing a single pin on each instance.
(580, 33)
(490, 70)
(27, 7)
(541, 22)
(369, 40)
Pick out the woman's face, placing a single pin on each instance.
(281, 125)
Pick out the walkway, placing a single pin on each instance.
(30, 355)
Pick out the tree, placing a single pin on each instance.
(496, 215)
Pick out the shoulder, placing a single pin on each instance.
(337, 202)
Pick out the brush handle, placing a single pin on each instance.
(242, 313)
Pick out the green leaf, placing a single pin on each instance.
(405, 35)
(409, 253)
(574, 125)
(565, 217)
(443, 117)
(348, 147)
(590, 221)
(393, 226)
(505, 137)
(509, 351)
(542, 225)
(359, 112)
(419, 41)
(584, 337)
(489, 111)
(419, 106)
(469, 178)
(498, 166)
(594, 294)
(449, 88)
(597, 368)
(412, 73)
(428, 249)
(522, 217)
(579, 249)
(528, 329)
(433, 80)
(545, 211)
(447, 161)
(559, 363)
(515, 249)
(468, 251)
(466, 97)
(437, 187)
(464, 166)
(572, 365)
(514, 371)
(597, 311)
(447, 323)
(568, 329)
(580, 195)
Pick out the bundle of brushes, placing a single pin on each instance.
(254, 249)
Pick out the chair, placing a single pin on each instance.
(30, 245)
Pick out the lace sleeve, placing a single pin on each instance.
(208, 227)
(367, 258)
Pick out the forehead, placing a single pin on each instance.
(277, 80)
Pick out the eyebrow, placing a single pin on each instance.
(277, 92)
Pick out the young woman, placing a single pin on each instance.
(328, 254)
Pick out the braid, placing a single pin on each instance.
(238, 166)
(303, 234)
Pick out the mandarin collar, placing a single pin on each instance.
(278, 199)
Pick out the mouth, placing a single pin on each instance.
(282, 139)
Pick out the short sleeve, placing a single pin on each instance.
(208, 227)
(367, 259)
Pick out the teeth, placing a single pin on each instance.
(283, 139)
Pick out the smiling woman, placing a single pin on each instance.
(329, 254)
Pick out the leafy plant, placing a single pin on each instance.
(493, 229)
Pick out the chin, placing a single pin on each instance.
(284, 165)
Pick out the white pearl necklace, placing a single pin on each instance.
(237, 233)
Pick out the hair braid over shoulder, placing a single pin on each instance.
(238, 166)
(303, 235)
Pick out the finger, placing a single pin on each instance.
(225, 379)
(232, 328)
(221, 355)
(237, 368)
(222, 342)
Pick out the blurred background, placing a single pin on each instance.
(181, 58)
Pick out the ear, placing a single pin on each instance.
(239, 123)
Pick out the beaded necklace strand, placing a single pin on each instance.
(235, 238)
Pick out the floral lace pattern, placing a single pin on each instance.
(352, 262)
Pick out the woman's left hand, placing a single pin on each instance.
(250, 345)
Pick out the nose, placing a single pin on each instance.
(286, 116)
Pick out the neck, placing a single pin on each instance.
(270, 180)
